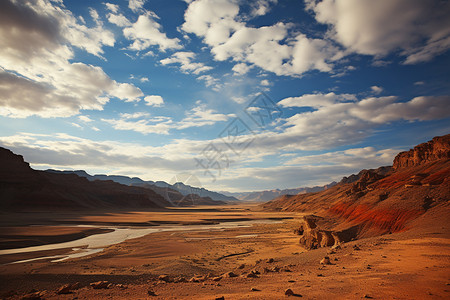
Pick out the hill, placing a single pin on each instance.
(385, 200)
(22, 188)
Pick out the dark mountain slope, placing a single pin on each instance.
(22, 188)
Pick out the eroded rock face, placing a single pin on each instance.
(313, 237)
(437, 148)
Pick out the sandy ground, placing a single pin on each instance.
(397, 266)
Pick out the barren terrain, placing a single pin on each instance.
(395, 266)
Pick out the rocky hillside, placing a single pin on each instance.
(433, 150)
(382, 200)
(22, 188)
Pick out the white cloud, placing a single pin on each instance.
(142, 123)
(239, 100)
(85, 119)
(114, 8)
(268, 47)
(241, 68)
(201, 116)
(376, 89)
(36, 75)
(387, 109)
(147, 32)
(420, 30)
(316, 100)
(261, 7)
(210, 81)
(94, 15)
(144, 79)
(76, 125)
(337, 120)
(265, 82)
(126, 91)
(119, 20)
(136, 5)
(135, 115)
(185, 61)
(154, 100)
(356, 158)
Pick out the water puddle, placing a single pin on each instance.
(97, 242)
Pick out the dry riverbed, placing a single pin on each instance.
(265, 258)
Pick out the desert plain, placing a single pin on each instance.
(213, 257)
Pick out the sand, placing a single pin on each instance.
(395, 266)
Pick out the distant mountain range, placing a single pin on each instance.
(262, 196)
(22, 188)
(161, 187)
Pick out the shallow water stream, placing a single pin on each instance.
(97, 242)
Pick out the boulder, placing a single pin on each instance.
(99, 284)
(68, 288)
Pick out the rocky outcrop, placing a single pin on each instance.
(437, 148)
(313, 237)
(369, 175)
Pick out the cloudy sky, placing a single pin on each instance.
(245, 95)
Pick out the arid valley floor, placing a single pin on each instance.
(406, 265)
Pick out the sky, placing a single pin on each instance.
(241, 95)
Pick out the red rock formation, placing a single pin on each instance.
(437, 148)
(380, 201)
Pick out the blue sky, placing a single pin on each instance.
(245, 95)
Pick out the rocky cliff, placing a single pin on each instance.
(436, 149)
(380, 201)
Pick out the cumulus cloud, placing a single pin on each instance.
(36, 75)
(268, 47)
(331, 120)
(147, 32)
(201, 116)
(356, 158)
(241, 68)
(154, 100)
(136, 5)
(119, 20)
(261, 7)
(184, 59)
(210, 81)
(343, 119)
(376, 89)
(85, 119)
(316, 100)
(417, 29)
(265, 82)
(114, 8)
(142, 123)
(388, 109)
